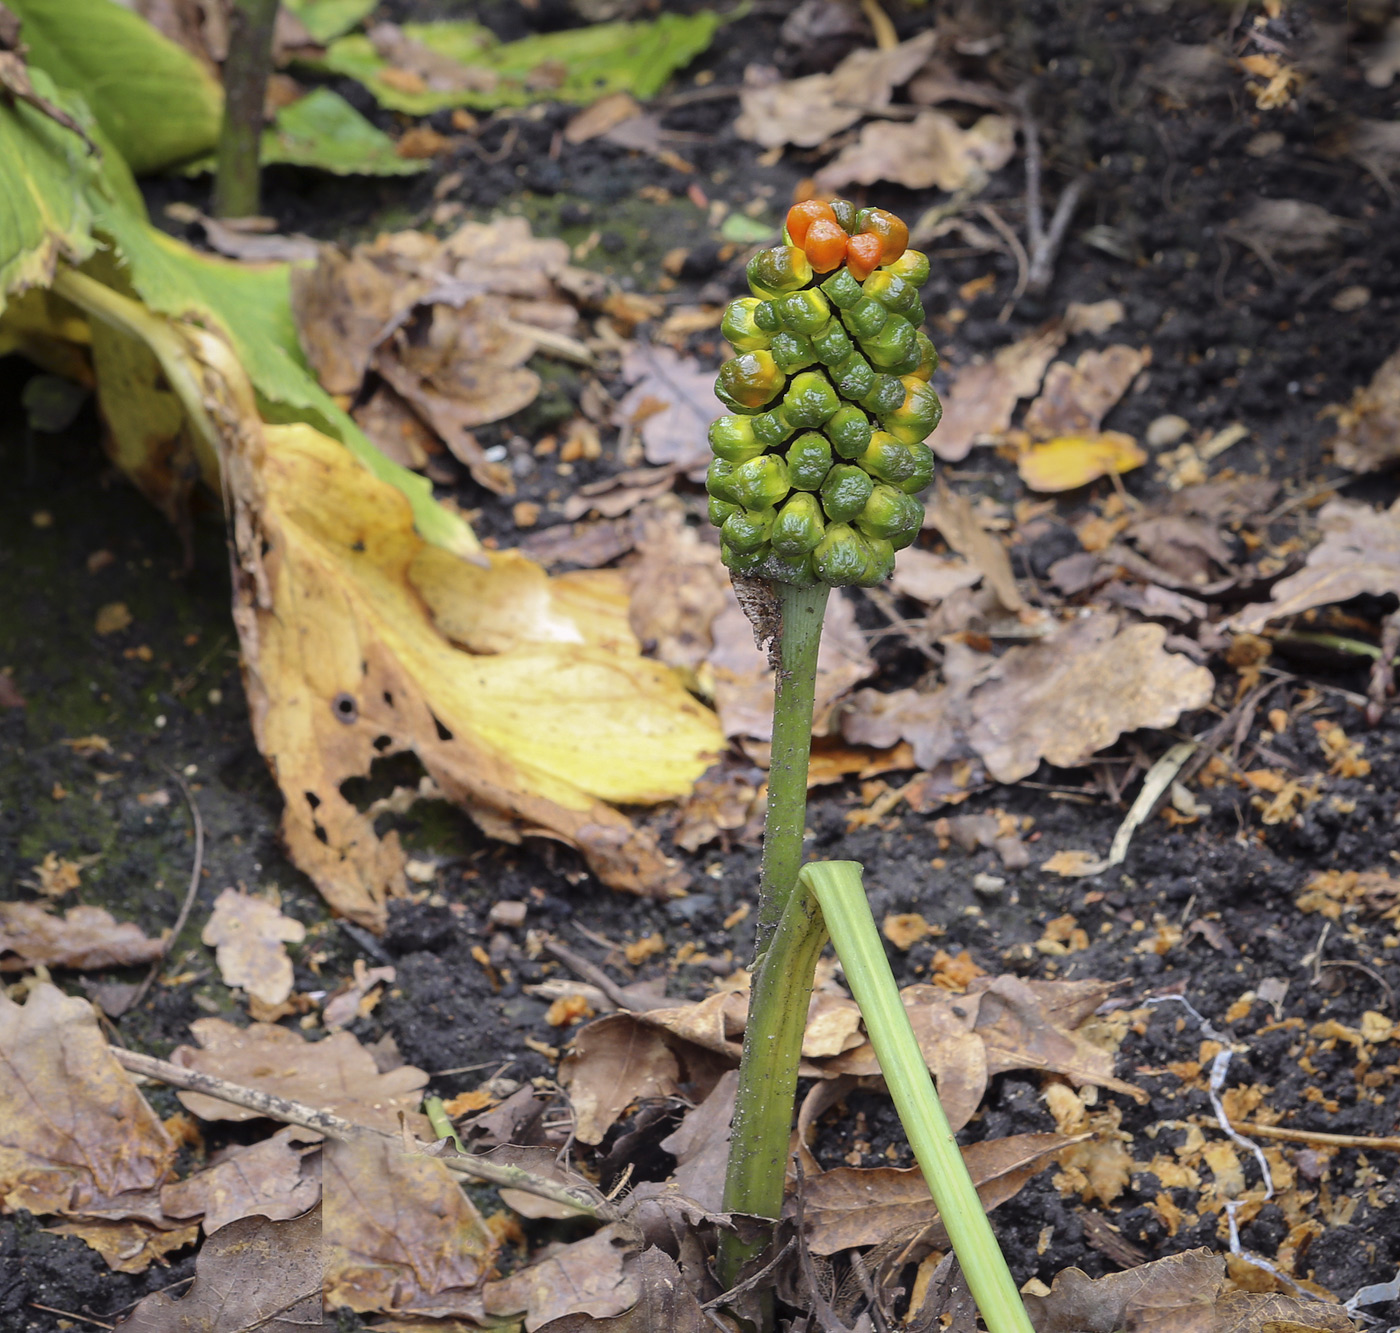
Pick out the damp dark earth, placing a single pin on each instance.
(1125, 714)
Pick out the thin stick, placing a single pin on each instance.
(845, 910)
(184, 915)
(1310, 1136)
(327, 1122)
(68, 1314)
(246, 68)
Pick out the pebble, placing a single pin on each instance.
(1166, 430)
(988, 885)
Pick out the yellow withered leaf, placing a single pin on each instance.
(555, 714)
(1071, 461)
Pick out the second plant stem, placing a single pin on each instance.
(785, 958)
(246, 69)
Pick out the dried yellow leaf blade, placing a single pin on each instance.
(346, 664)
(74, 1131)
(1070, 461)
(128, 1246)
(399, 1233)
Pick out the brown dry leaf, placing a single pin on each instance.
(253, 1276)
(248, 934)
(1065, 697)
(856, 1206)
(1359, 553)
(953, 515)
(833, 1025)
(128, 1246)
(1069, 863)
(75, 1135)
(400, 1233)
(932, 723)
(530, 741)
(1071, 461)
(357, 999)
(1074, 399)
(1183, 1293)
(717, 806)
(743, 680)
(615, 1061)
(336, 1074)
(700, 1145)
(276, 1178)
(605, 114)
(57, 875)
(930, 578)
(112, 618)
(594, 1276)
(1287, 228)
(671, 404)
(678, 585)
(809, 110)
(666, 1305)
(83, 937)
(932, 150)
(396, 430)
(1368, 428)
(982, 395)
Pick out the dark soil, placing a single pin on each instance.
(1231, 340)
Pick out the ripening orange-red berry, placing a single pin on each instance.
(863, 255)
(801, 216)
(825, 245)
(893, 233)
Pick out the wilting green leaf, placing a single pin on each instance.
(579, 65)
(746, 230)
(327, 19)
(45, 213)
(323, 130)
(154, 101)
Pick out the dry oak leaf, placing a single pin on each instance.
(345, 665)
(982, 395)
(1070, 461)
(857, 1206)
(1074, 399)
(336, 1074)
(595, 1276)
(400, 1233)
(1065, 697)
(75, 1134)
(1359, 553)
(1368, 428)
(253, 1276)
(277, 1178)
(666, 1305)
(83, 937)
(931, 150)
(128, 1245)
(248, 934)
(809, 110)
(1184, 1293)
(671, 403)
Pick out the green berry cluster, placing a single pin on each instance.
(818, 466)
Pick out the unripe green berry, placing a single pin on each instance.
(784, 268)
(810, 400)
(849, 431)
(843, 290)
(865, 319)
(845, 492)
(721, 510)
(803, 312)
(743, 562)
(892, 345)
(886, 394)
(928, 358)
(846, 214)
(749, 382)
(889, 513)
(766, 317)
(739, 327)
(912, 266)
(719, 481)
(787, 568)
(772, 428)
(809, 460)
(923, 468)
(854, 377)
(748, 529)
(799, 526)
(733, 438)
(890, 291)
(879, 563)
(760, 483)
(792, 352)
(886, 460)
(842, 558)
(832, 344)
(918, 413)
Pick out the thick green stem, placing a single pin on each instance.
(245, 89)
(803, 610)
(838, 888)
(789, 938)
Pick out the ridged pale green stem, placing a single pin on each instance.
(246, 68)
(787, 943)
(846, 912)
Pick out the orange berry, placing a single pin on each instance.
(801, 216)
(892, 231)
(863, 255)
(825, 245)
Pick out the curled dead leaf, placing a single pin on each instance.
(932, 150)
(278, 1178)
(248, 934)
(83, 937)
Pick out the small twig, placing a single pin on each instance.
(1043, 256)
(1018, 252)
(327, 1122)
(196, 873)
(1030, 131)
(886, 39)
(591, 972)
(881, 599)
(1312, 1136)
(68, 1314)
